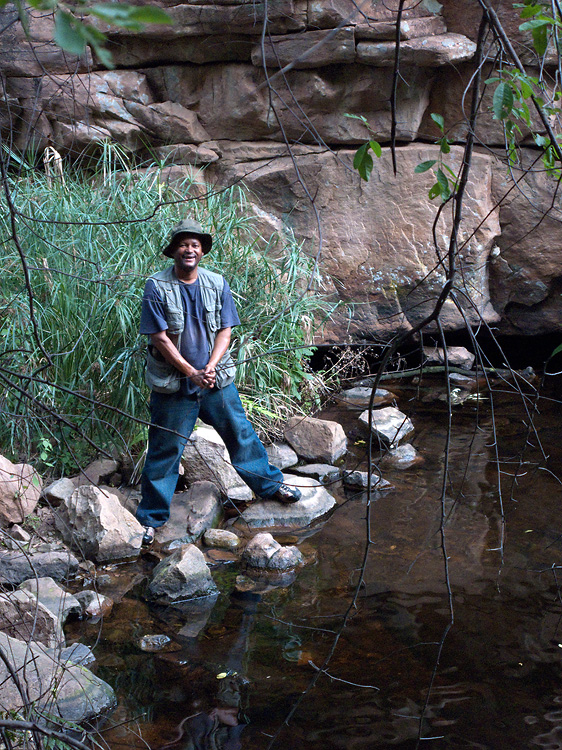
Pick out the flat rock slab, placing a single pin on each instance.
(360, 397)
(389, 424)
(191, 514)
(323, 472)
(316, 502)
(16, 566)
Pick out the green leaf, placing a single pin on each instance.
(363, 162)
(540, 40)
(444, 146)
(444, 183)
(502, 103)
(103, 55)
(526, 90)
(68, 33)
(425, 165)
(149, 14)
(536, 23)
(438, 120)
(376, 148)
(434, 191)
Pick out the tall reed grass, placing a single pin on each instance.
(88, 255)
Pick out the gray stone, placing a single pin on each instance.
(191, 514)
(205, 458)
(16, 537)
(77, 653)
(323, 472)
(22, 616)
(316, 502)
(389, 424)
(20, 490)
(409, 29)
(402, 457)
(187, 153)
(360, 397)
(311, 49)
(457, 356)
(168, 122)
(281, 455)
(183, 575)
(59, 491)
(53, 597)
(322, 440)
(361, 478)
(95, 523)
(93, 604)
(79, 694)
(17, 566)
(154, 643)
(222, 539)
(264, 552)
(134, 52)
(431, 52)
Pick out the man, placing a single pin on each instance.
(188, 313)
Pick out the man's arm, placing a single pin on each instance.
(168, 349)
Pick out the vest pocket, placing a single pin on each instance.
(160, 375)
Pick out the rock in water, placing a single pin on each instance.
(316, 502)
(319, 440)
(184, 575)
(389, 424)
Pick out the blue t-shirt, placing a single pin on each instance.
(194, 342)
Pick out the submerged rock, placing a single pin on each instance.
(183, 575)
(402, 457)
(360, 397)
(316, 502)
(389, 424)
(316, 439)
(361, 479)
(264, 552)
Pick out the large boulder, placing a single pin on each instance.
(94, 522)
(386, 259)
(316, 502)
(61, 688)
(181, 576)
(20, 490)
(321, 440)
(205, 458)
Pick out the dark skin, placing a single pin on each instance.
(187, 253)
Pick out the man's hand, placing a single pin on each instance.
(203, 379)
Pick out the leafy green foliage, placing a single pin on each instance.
(443, 186)
(363, 161)
(502, 102)
(87, 282)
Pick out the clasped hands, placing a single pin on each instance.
(205, 378)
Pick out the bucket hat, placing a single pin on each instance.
(189, 226)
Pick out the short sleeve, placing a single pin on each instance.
(229, 314)
(153, 319)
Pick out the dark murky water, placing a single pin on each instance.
(491, 680)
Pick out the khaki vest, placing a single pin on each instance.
(160, 375)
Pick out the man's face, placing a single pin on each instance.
(187, 253)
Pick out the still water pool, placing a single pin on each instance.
(455, 638)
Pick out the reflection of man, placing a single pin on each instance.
(188, 312)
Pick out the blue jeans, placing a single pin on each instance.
(224, 411)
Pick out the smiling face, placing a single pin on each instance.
(187, 253)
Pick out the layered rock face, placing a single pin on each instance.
(213, 94)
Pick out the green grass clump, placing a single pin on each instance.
(89, 242)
